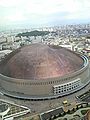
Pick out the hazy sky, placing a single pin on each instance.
(43, 12)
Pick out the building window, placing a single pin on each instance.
(62, 88)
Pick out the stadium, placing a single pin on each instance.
(40, 72)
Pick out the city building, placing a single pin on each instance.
(9, 110)
(40, 71)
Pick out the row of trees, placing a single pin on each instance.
(33, 33)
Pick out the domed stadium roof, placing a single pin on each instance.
(40, 61)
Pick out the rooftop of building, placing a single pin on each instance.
(40, 61)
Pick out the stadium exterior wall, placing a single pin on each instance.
(46, 88)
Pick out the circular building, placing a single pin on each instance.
(40, 71)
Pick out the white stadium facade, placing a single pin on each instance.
(40, 71)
